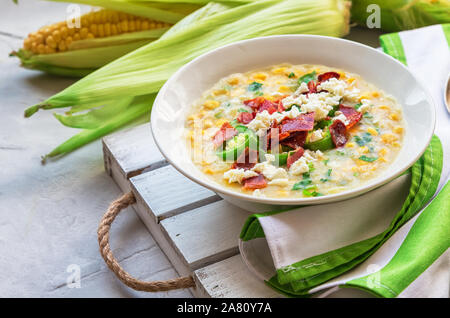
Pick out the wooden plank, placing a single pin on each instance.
(230, 278)
(165, 192)
(207, 234)
(130, 152)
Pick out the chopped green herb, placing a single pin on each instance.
(291, 75)
(355, 174)
(367, 115)
(307, 77)
(259, 93)
(311, 167)
(255, 86)
(340, 153)
(357, 106)
(243, 110)
(304, 183)
(327, 176)
(332, 112)
(219, 114)
(226, 104)
(366, 138)
(311, 192)
(368, 159)
(326, 161)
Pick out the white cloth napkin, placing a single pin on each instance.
(294, 236)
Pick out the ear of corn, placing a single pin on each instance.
(143, 71)
(101, 37)
(398, 15)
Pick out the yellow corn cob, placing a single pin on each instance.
(59, 37)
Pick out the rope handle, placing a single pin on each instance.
(103, 240)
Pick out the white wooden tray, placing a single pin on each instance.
(196, 229)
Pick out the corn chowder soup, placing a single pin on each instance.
(294, 131)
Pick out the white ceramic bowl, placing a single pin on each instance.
(189, 82)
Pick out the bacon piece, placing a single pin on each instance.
(245, 117)
(352, 115)
(338, 133)
(260, 104)
(295, 156)
(246, 160)
(295, 140)
(257, 182)
(303, 122)
(326, 76)
(255, 102)
(312, 86)
(269, 106)
(226, 132)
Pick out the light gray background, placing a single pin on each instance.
(49, 214)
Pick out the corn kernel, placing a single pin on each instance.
(363, 97)
(220, 122)
(394, 116)
(283, 193)
(208, 171)
(375, 94)
(396, 144)
(372, 131)
(351, 80)
(211, 104)
(284, 89)
(207, 123)
(382, 159)
(349, 145)
(279, 70)
(388, 138)
(260, 76)
(364, 149)
(233, 81)
(218, 92)
(383, 151)
(385, 107)
(398, 130)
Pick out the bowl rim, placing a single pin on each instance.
(344, 195)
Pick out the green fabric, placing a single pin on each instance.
(446, 30)
(428, 239)
(392, 45)
(297, 279)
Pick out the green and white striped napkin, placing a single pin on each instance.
(391, 241)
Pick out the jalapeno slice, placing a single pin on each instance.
(250, 140)
(322, 144)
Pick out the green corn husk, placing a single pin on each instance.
(145, 70)
(85, 56)
(102, 119)
(398, 15)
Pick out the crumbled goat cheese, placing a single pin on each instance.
(334, 86)
(320, 104)
(262, 120)
(293, 99)
(316, 135)
(339, 115)
(365, 106)
(300, 166)
(268, 170)
(237, 175)
(279, 182)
